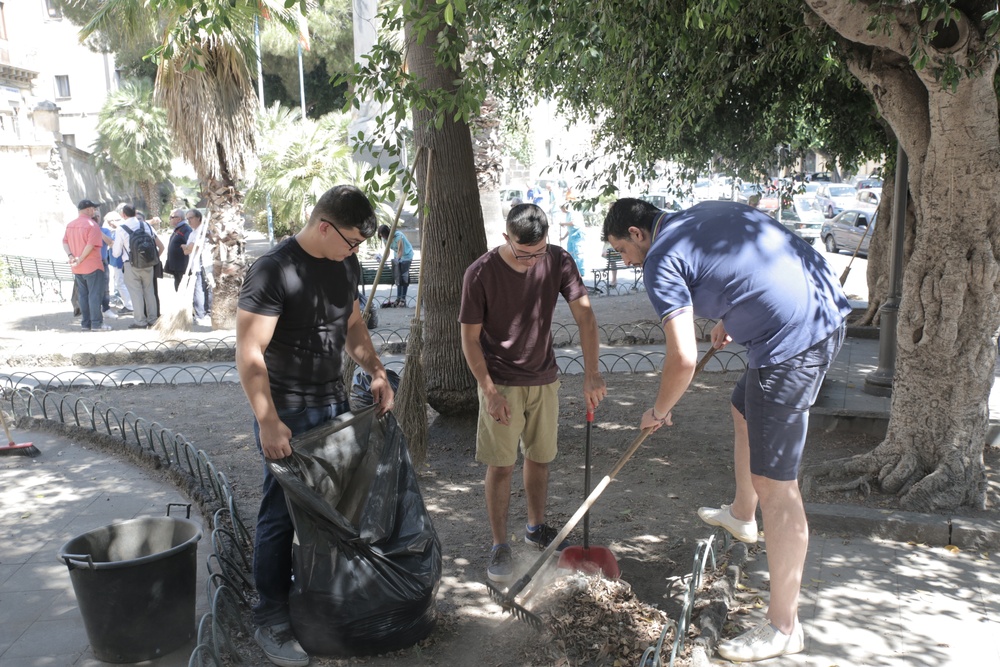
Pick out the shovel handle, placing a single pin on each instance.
(575, 519)
(519, 585)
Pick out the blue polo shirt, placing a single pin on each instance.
(774, 293)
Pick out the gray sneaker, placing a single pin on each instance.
(501, 569)
(280, 646)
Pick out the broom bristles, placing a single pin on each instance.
(412, 397)
(176, 308)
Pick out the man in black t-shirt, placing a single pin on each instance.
(298, 310)
(177, 261)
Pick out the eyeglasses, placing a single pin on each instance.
(528, 258)
(175, 217)
(351, 245)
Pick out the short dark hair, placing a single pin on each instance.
(628, 212)
(527, 224)
(195, 212)
(346, 206)
(383, 231)
(128, 211)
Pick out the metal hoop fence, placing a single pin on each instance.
(229, 582)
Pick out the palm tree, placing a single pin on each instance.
(133, 142)
(204, 80)
(299, 161)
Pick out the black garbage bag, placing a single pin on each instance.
(361, 387)
(366, 560)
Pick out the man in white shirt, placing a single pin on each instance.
(140, 282)
(196, 248)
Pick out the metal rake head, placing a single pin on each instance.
(508, 605)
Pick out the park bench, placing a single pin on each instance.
(369, 267)
(614, 263)
(39, 272)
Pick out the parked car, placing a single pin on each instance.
(869, 183)
(509, 197)
(748, 190)
(869, 197)
(849, 229)
(832, 198)
(803, 218)
(666, 201)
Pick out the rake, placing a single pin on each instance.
(507, 600)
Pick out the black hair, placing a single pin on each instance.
(527, 224)
(128, 211)
(383, 231)
(346, 206)
(626, 213)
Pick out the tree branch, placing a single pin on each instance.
(851, 19)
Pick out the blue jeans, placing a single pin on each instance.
(105, 294)
(89, 290)
(272, 558)
(401, 275)
(202, 295)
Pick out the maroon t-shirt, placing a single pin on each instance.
(516, 310)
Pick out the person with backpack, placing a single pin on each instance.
(139, 248)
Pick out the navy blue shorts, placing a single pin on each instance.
(775, 401)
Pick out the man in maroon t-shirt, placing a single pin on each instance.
(508, 298)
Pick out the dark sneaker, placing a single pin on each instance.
(501, 569)
(280, 646)
(124, 311)
(542, 536)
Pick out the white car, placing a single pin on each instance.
(832, 198)
(804, 218)
(869, 197)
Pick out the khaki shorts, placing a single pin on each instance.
(534, 422)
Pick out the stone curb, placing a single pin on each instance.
(933, 529)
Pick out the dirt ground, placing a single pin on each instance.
(647, 517)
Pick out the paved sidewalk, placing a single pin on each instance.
(866, 601)
(870, 602)
(70, 489)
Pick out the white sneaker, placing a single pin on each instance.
(203, 321)
(763, 642)
(110, 314)
(744, 531)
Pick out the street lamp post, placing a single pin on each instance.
(879, 381)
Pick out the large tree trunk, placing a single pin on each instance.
(226, 256)
(933, 452)
(453, 234)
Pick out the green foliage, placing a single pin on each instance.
(299, 161)
(331, 54)
(396, 91)
(133, 141)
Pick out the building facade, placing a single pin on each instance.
(52, 88)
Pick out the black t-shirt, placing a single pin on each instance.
(313, 299)
(177, 261)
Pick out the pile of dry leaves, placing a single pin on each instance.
(591, 620)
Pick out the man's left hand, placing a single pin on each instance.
(594, 390)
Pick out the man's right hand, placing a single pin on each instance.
(497, 407)
(274, 439)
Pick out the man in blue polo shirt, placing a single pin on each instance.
(775, 295)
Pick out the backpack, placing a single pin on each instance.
(142, 250)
